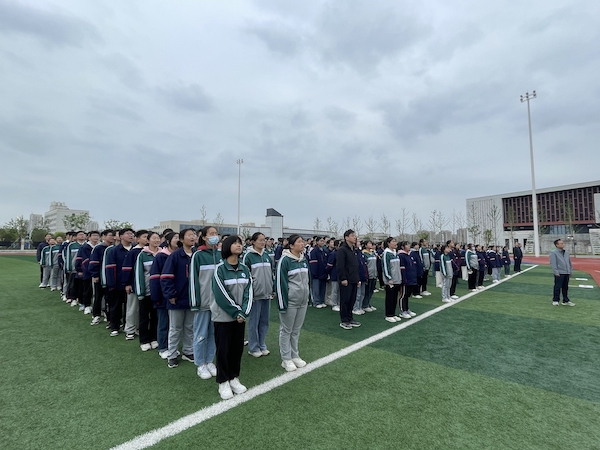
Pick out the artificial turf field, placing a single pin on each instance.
(503, 369)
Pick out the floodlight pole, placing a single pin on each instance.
(239, 163)
(536, 240)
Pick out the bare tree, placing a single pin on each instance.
(371, 225)
(417, 225)
(346, 223)
(437, 222)
(511, 219)
(472, 226)
(494, 215)
(385, 225)
(219, 221)
(569, 215)
(356, 225)
(334, 227)
(203, 215)
(402, 224)
(317, 225)
(487, 236)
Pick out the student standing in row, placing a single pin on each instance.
(371, 260)
(392, 278)
(132, 315)
(447, 272)
(96, 266)
(348, 277)
(170, 244)
(293, 295)
(259, 263)
(141, 286)
(204, 263)
(114, 279)
(232, 288)
(472, 264)
(82, 265)
(408, 269)
(174, 282)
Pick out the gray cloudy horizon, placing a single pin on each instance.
(139, 110)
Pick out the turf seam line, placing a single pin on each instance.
(155, 436)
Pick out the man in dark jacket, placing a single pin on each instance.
(518, 256)
(348, 277)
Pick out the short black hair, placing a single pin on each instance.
(140, 233)
(557, 241)
(125, 230)
(348, 232)
(227, 243)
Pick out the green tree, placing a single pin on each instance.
(38, 234)
(8, 234)
(488, 235)
(76, 222)
(113, 224)
(20, 226)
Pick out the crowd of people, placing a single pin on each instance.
(192, 294)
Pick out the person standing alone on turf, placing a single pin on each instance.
(518, 257)
(560, 261)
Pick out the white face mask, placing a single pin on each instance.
(213, 240)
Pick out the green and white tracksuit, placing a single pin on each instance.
(293, 295)
(141, 274)
(447, 271)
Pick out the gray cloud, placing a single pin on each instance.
(51, 27)
(189, 97)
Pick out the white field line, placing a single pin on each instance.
(153, 437)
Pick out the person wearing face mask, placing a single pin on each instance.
(202, 269)
(259, 263)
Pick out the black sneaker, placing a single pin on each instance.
(130, 337)
(346, 326)
(172, 363)
(189, 358)
(354, 323)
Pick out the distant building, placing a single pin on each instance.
(35, 221)
(567, 212)
(53, 219)
(273, 227)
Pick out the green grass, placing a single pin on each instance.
(503, 369)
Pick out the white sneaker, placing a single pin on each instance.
(87, 310)
(373, 308)
(322, 305)
(391, 319)
(145, 347)
(236, 386)
(212, 369)
(256, 354)
(299, 362)
(265, 352)
(405, 315)
(154, 345)
(225, 391)
(368, 309)
(375, 291)
(473, 290)
(454, 297)
(164, 354)
(42, 286)
(358, 312)
(81, 307)
(412, 314)
(417, 296)
(426, 293)
(446, 300)
(335, 308)
(494, 281)
(288, 365)
(203, 372)
(74, 303)
(96, 320)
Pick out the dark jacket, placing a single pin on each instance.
(318, 264)
(156, 294)
(174, 280)
(114, 267)
(408, 268)
(347, 264)
(518, 253)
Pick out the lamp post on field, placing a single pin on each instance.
(239, 163)
(536, 234)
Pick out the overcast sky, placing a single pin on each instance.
(138, 110)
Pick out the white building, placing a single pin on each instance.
(53, 219)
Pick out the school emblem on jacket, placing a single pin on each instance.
(243, 275)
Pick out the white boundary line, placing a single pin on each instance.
(155, 436)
